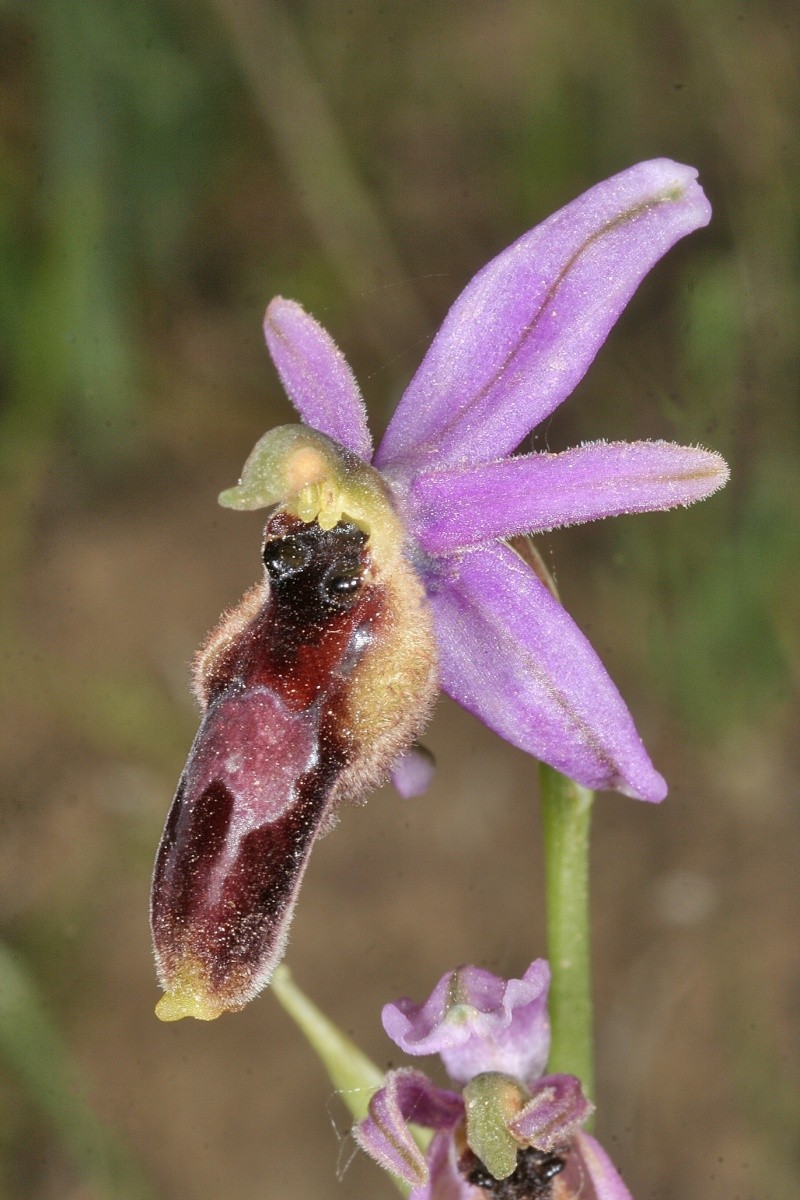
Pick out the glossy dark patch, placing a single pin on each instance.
(317, 602)
(265, 874)
(201, 830)
(314, 573)
(532, 1180)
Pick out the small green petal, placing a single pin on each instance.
(492, 1100)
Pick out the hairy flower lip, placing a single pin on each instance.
(309, 699)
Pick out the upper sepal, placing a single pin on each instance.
(272, 754)
(525, 329)
(478, 1022)
(316, 376)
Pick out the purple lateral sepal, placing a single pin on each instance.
(604, 1176)
(476, 1022)
(512, 655)
(553, 1115)
(524, 331)
(465, 506)
(384, 1134)
(316, 376)
(446, 1182)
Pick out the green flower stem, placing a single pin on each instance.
(566, 816)
(353, 1075)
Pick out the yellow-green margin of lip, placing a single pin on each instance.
(188, 996)
(316, 479)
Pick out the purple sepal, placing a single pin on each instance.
(555, 1112)
(316, 376)
(478, 1022)
(510, 654)
(446, 1181)
(412, 773)
(523, 332)
(384, 1134)
(605, 1178)
(536, 492)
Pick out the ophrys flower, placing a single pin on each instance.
(388, 574)
(508, 1131)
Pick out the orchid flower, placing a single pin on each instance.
(390, 575)
(512, 348)
(508, 1131)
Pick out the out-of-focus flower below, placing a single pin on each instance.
(509, 1131)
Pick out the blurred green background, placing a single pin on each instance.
(166, 168)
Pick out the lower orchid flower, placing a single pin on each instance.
(508, 1131)
(390, 575)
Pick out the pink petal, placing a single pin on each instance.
(523, 333)
(554, 1113)
(316, 376)
(384, 1134)
(605, 1177)
(446, 1181)
(412, 773)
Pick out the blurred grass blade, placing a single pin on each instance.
(346, 220)
(31, 1046)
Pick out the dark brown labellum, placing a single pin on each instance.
(263, 769)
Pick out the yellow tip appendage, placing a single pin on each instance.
(188, 998)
